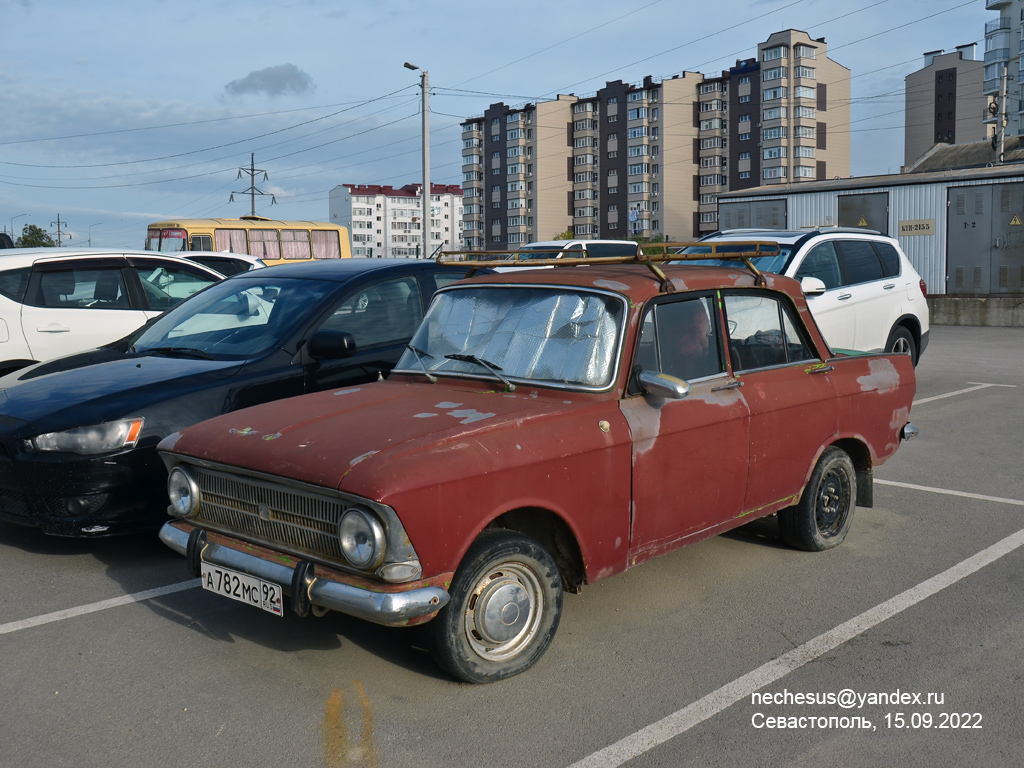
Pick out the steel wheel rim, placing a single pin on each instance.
(832, 503)
(504, 611)
(901, 346)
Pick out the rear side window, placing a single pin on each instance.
(890, 259)
(861, 262)
(13, 283)
(83, 289)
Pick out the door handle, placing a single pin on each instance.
(53, 328)
(844, 296)
(888, 287)
(825, 369)
(731, 385)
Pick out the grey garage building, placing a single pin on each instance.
(962, 228)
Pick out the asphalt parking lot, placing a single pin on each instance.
(902, 647)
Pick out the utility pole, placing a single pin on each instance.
(59, 233)
(425, 88)
(1001, 126)
(252, 170)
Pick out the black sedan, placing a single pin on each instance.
(78, 434)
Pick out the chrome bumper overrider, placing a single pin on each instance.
(387, 608)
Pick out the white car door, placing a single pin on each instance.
(873, 297)
(830, 309)
(74, 307)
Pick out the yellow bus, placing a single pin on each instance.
(272, 241)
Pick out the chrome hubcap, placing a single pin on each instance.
(504, 611)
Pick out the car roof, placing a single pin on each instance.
(567, 243)
(788, 236)
(341, 270)
(26, 257)
(637, 282)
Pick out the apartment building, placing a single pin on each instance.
(386, 222)
(1004, 37)
(944, 103)
(650, 158)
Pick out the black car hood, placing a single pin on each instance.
(91, 394)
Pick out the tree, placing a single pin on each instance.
(34, 237)
(567, 235)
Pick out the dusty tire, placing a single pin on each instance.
(901, 342)
(825, 513)
(506, 601)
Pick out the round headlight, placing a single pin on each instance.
(362, 537)
(183, 492)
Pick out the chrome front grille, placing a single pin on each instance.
(265, 512)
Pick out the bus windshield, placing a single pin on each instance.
(166, 240)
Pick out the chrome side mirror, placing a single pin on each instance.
(663, 385)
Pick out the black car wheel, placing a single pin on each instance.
(506, 601)
(901, 342)
(825, 513)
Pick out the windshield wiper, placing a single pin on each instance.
(420, 354)
(179, 352)
(485, 364)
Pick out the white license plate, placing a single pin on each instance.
(242, 587)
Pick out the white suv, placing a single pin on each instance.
(56, 301)
(861, 288)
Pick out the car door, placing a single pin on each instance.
(788, 391)
(381, 317)
(870, 301)
(830, 309)
(689, 455)
(77, 305)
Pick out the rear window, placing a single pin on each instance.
(13, 283)
(611, 249)
(861, 261)
(890, 258)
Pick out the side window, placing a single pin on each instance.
(763, 333)
(890, 258)
(201, 243)
(167, 284)
(84, 289)
(13, 283)
(264, 244)
(385, 313)
(861, 262)
(823, 263)
(681, 339)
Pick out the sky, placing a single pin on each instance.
(118, 113)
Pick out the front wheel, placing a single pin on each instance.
(901, 342)
(825, 513)
(506, 601)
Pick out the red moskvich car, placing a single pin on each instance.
(544, 429)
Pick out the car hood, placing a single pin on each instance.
(358, 439)
(90, 394)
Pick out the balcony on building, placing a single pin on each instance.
(996, 5)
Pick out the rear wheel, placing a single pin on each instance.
(901, 342)
(825, 513)
(506, 601)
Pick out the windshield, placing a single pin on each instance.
(234, 319)
(776, 263)
(539, 334)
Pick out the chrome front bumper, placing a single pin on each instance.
(387, 608)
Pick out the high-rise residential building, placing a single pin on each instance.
(944, 103)
(383, 221)
(1003, 37)
(651, 158)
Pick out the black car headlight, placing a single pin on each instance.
(183, 493)
(97, 438)
(362, 538)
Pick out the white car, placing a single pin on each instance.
(225, 262)
(569, 249)
(862, 290)
(54, 302)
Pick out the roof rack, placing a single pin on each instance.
(648, 254)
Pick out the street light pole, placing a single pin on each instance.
(425, 88)
(90, 231)
(12, 222)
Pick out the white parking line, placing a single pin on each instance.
(975, 388)
(693, 714)
(963, 494)
(113, 602)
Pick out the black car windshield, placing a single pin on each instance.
(776, 263)
(234, 319)
(557, 336)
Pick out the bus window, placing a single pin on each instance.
(326, 244)
(230, 240)
(263, 244)
(294, 244)
(201, 243)
(166, 240)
